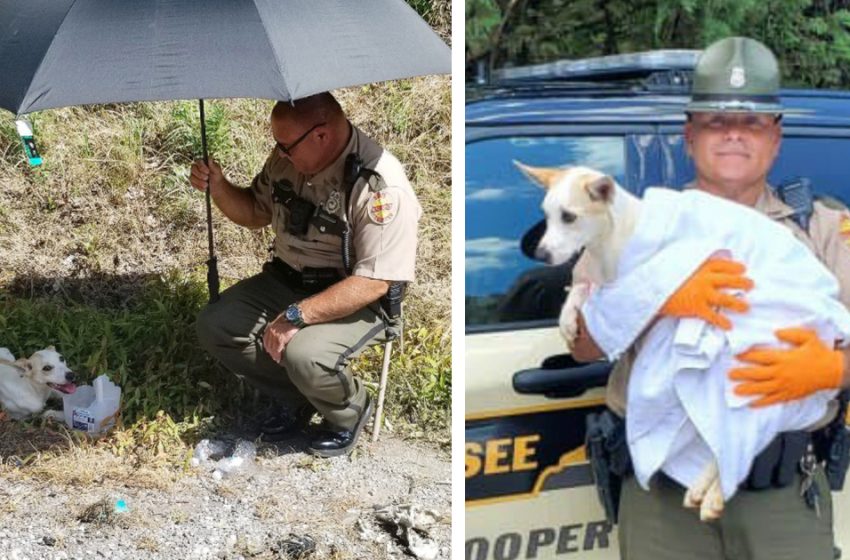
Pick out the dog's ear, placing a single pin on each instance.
(51, 347)
(546, 177)
(22, 365)
(601, 189)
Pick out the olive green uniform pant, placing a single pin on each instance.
(315, 362)
(771, 524)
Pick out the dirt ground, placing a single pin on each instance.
(260, 511)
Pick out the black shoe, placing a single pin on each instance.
(330, 442)
(284, 423)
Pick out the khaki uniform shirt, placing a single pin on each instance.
(383, 224)
(828, 238)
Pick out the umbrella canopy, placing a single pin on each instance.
(57, 53)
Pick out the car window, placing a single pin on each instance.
(502, 284)
(822, 160)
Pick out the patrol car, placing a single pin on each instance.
(529, 489)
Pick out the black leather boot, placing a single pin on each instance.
(331, 442)
(283, 423)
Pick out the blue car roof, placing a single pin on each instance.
(559, 105)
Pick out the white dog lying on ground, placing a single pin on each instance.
(683, 416)
(27, 383)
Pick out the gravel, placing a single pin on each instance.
(282, 499)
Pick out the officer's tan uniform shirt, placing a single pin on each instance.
(826, 240)
(383, 224)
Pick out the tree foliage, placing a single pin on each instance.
(482, 19)
(811, 38)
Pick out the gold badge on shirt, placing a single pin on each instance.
(383, 206)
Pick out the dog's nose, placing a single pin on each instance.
(70, 376)
(542, 254)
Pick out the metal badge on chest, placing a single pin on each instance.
(334, 202)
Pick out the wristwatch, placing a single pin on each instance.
(293, 315)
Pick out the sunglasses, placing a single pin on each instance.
(756, 123)
(287, 150)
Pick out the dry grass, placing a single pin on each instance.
(147, 543)
(9, 504)
(112, 199)
(179, 516)
(69, 458)
(312, 464)
(102, 513)
(266, 507)
(226, 491)
(23, 443)
(110, 214)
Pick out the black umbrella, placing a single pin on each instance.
(57, 53)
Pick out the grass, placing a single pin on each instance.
(103, 251)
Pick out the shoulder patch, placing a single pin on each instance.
(383, 206)
(844, 227)
(832, 202)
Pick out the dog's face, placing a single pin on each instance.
(48, 367)
(576, 207)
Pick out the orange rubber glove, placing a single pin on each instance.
(788, 374)
(700, 294)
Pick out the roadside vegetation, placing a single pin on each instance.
(103, 252)
(811, 38)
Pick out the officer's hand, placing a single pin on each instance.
(700, 294)
(584, 348)
(787, 374)
(277, 335)
(202, 175)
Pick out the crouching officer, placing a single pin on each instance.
(345, 220)
(783, 509)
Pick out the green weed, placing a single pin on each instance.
(103, 247)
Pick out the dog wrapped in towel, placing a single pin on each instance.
(683, 417)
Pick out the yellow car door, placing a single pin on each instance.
(529, 491)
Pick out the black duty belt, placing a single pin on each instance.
(310, 279)
(777, 465)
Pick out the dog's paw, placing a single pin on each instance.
(6, 356)
(569, 331)
(568, 321)
(53, 415)
(695, 495)
(692, 499)
(712, 504)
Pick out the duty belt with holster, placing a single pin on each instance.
(802, 452)
(776, 466)
(310, 279)
(610, 461)
(303, 214)
(832, 445)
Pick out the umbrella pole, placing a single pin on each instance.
(212, 263)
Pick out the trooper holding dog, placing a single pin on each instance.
(345, 221)
(783, 510)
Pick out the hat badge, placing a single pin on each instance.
(738, 79)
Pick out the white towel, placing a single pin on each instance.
(681, 405)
